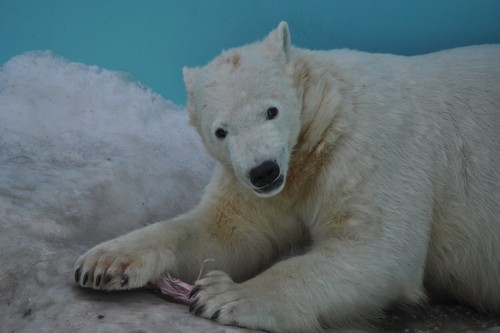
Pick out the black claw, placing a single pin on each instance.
(194, 291)
(98, 280)
(124, 280)
(193, 305)
(85, 278)
(78, 272)
(216, 315)
(200, 310)
(108, 278)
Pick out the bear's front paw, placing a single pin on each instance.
(114, 265)
(217, 297)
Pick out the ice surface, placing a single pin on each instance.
(87, 154)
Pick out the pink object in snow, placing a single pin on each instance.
(175, 288)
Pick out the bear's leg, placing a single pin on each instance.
(180, 247)
(326, 287)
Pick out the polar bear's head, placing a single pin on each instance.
(246, 109)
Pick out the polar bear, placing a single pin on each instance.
(345, 182)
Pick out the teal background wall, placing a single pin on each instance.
(153, 39)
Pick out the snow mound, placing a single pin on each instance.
(86, 154)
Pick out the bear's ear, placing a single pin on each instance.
(279, 39)
(190, 75)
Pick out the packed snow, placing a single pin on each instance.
(87, 154)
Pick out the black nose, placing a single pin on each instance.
(264, 174)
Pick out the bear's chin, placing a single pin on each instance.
(272, 189)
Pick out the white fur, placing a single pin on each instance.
(391, 183)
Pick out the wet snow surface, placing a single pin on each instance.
(86, 155)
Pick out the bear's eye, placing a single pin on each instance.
(220, 133)
(272, 112)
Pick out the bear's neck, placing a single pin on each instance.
(324, 113)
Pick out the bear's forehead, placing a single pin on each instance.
(232, 60)
(228, 83)
(246, 59)
(238, 79)
(240, 72)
